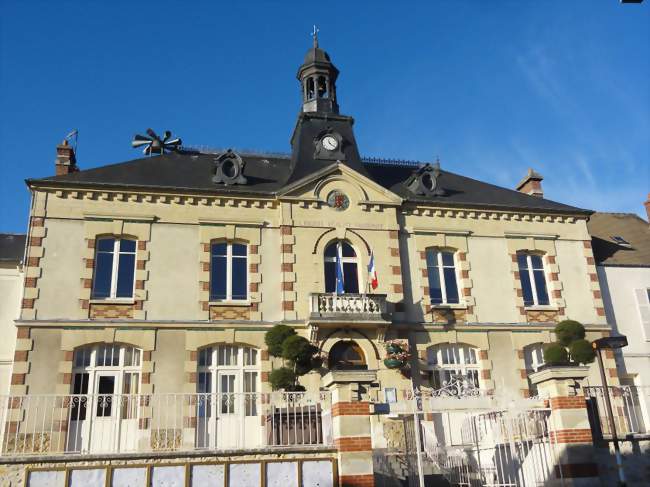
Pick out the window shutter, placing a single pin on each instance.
(643, 305)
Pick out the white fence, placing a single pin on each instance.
(117, 423)
(628, 407)
(329, 304)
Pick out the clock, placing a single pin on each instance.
(330, 143)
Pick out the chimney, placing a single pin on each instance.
(647, 206)
(66, 162)
(531, 184)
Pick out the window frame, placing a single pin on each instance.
(356, 260)
(441, 275)
(229, 275)
(531, 278)
(465, 365)
(115, 268)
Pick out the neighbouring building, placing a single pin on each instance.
(621, 245)
(12, 252)
(150, 285)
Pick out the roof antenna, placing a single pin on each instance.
(314, 34)
(75, 134)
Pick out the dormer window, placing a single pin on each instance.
(621, 241)
(114, 274)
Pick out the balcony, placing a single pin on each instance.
(89, 424)
(346, 308)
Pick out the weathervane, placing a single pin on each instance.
(314, 34)
(154, 144)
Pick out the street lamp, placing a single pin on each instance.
(610, 343)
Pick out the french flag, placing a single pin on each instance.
(372, 272)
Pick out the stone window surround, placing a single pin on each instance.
(455, 241)
(118, 227)
(251, 235)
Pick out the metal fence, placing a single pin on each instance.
(116, 423)
(628, 408)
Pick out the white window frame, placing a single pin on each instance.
(642, 299)
(116, 267)
(92, 369)
(467, 360)
(229, 258)
(441, 276)
(534, 356)
(531, 278)
(345, 260)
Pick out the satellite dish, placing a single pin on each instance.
(154, 144)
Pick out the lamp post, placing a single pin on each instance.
(610, 343)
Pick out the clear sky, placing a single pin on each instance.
(491, 87)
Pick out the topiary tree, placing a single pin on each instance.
(275, 337)
(555, 354)
(571, 345)
(297, 353)
(582, 352)
(568, 331)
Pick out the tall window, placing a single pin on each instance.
(533, 359)
(533, 279)
(106, 370)
(114, 275)
(348, 258)
(451, 362)
(443, 287)
(230, 371)
(228, 271)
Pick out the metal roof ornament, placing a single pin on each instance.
(426, 181)
(229, 169)
(154, 144)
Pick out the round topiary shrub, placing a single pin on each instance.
(297, 349)
(569, 331)
(582, 352)
(276, 336)
(282, 378)
(556, 354)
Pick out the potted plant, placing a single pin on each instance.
(397, 354)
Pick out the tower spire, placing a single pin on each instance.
(314, 35)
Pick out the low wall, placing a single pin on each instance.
(236, 469)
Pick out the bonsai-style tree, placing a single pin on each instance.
(296, 352)
(571, 345)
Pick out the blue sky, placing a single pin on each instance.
(492, 88)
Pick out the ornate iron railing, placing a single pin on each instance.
(332, 305)
(122, 423)
(628, 404)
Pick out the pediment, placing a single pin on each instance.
(317, 186)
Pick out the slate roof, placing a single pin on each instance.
(268, 174)
(631, 227)
(12, 247)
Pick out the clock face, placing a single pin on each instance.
(330, 143)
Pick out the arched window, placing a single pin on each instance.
(347, 355)
(533, 279)
(322, 87)
(451, 362)
(310, 89)
(114, 273)
(228, 271)
(441, 270)
(342, 251)
(105, 370)
(227, 370)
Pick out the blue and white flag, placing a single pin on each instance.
(339, 272)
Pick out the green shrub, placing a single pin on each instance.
(276, 336)
(555, 354)
(569, 331)
(282, 378)
(582, 352)
(297, 349)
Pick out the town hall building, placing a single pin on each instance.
(149, 286)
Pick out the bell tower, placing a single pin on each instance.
(317, 77)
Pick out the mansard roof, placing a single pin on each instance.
(267, 175)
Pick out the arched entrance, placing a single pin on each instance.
(347, 355)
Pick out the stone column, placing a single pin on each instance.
(351, 426)
(569, 424)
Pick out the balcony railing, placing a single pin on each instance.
(360, 306)
(629, 405)
(134, 423)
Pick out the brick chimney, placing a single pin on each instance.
(647, 206)
(531, 184)
(66, 162)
